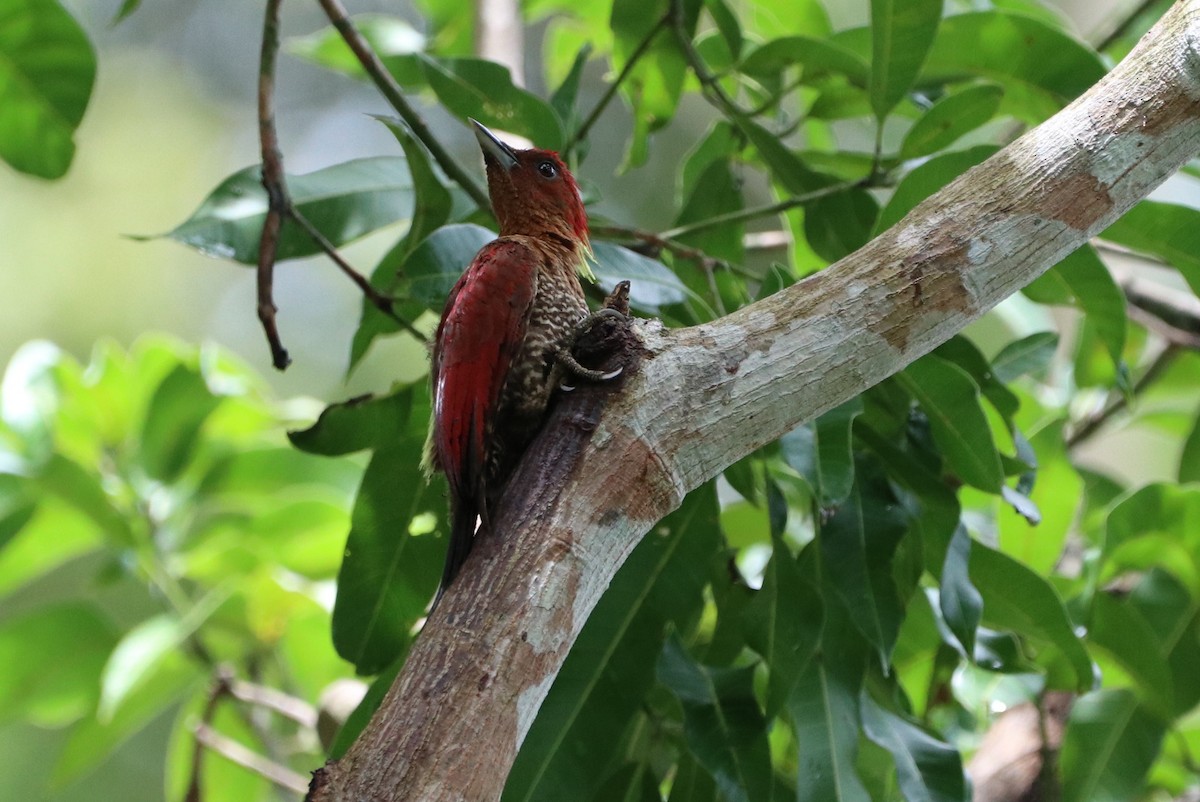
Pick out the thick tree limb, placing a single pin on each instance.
(606, 469)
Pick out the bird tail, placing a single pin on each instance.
(463, 519)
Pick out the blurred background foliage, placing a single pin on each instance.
(1006, 528)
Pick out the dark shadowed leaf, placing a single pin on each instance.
(840, 224)
(959, 600)
(360, 423)
(821, 452)
(927, 179)
(928, 770)
(724, 728)
(46, 76)
(1189, 458)
(818, 57)
(1118, 627)
(692, 783)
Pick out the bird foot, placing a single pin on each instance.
(597, 336)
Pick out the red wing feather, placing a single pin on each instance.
(482, 327)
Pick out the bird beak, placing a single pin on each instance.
(493, 148)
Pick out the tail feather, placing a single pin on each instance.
(463, 519)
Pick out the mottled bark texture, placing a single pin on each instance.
(613, 460)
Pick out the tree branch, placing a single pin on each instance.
(612, 461)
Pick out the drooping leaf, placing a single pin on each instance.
(950, 118)
(950, 399)
(817, 57)
(1017, 599)
(1110, 743)
(344, 202)
(724, 728)
(357, 424)
(178, 409)
(901, 34)
(46, 77)
(821, 452)
(958, 599)
(928, 770)
(1055, 494)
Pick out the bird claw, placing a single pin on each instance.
(616, 308)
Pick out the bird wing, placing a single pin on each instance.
(482, 328)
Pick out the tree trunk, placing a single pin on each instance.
(612, 461)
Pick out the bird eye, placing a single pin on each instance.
(547, 169)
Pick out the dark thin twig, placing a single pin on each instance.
(221, 680)
(392, 93)
(272, 176)
(708, 81)
(1089, 426)
(611, 91)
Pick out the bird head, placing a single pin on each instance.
(532, 191)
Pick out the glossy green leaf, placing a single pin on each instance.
(632, 782)
(1156, 526)
(484, 90)
(1017, 599)
(359, 423)
(178, 409)
(950, 118)
(652, 285)
(1040, 67)
(431, 269)
(959, 600)
(393, 39)
(1056, 493)
(46, 77)
(389, 572)
(723, 726)
(783, 623)
(692, 783)
(1082, 279)
(857, 544)
(950, 399)
(784, 165)
(837, 225)
(1166, 230)
(817, 57)
(713, 192)
(1118, 627)
(36, 681)
(927, 769)
(927, 179)
(344, 202)
(901, 34)
(581, 726)
(821, 452)
(1028, 355)
(1110, 743)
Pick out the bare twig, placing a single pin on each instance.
(233, 751)
(284, 704)
(611, 92)
(391, 91)
(709, 82)
(272, 176)
(221, 680)
(753, 213)
(1120, 401)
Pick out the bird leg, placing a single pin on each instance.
(615, 312)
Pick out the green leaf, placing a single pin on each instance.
(959, 600)
(1028, 355)
(926, 179)
(17, 506)
(783, 623)
(837, 225)
(652, 285)
(366, 422)
(1173, 615)
(1118, 627)
(928, 770)
(393, 39)
(1082, 279)
(344, 202)
(1040, 67)
(564, 97)
(784, 165)
(37, 680)
(178, 409)
(432, 268)
(817, 57)
(723, 726)
(728, 25)
(857, 544)
(901, 33)
(692, 783)
(1189, 458)
(1166, 230)
(950, 118)
(581, 727)
(46, 76)
(713, 192)
(1110, 743)
(1156, 526)
(821, 452)
(950, 399)
(389, 573)
(83, 490)
(1017, 599)
(484, 90)
(127, 8)
(1056, 494)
